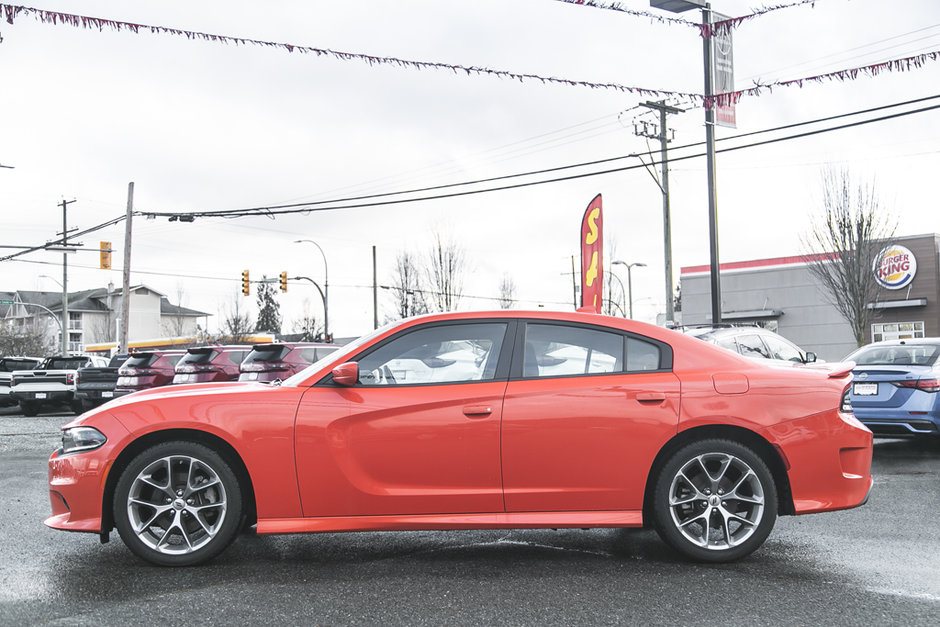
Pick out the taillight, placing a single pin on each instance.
(263, 366)
(846, 406)
(924, 385)
(137, 372)
(69, 378)
(193, 368)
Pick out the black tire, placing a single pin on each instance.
(715, 501)
(29, 408)
(165, 519)
(78, 407)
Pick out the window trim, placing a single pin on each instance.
(518, 352)
(502, 365)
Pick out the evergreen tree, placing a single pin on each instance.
(269, 310)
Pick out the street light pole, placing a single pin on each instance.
(326, 286)
(629, 266)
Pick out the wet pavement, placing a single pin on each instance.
(878, 564)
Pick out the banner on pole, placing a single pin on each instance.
(592, 256)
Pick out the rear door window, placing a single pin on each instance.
(553, 350)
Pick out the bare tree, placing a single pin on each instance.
(308, 325)
(236, 321)
(176, 325)
(26, 338)
(507, 292)
(408, 287)
(844, 240)
(447, 263)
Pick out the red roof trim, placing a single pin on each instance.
(762, 263)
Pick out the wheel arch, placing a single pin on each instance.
(214, 442)
(766, 451)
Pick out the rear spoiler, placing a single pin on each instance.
(835, 370)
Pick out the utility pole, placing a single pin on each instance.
(126, 287)
(715, 268)
(65, 278)
(375, 291)
(663, 183)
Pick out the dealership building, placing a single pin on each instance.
(782, 295)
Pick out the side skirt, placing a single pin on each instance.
(442, 522)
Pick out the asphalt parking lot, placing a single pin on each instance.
(878, 564)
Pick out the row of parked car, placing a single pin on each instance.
(85, 381)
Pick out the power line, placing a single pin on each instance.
(311, 206)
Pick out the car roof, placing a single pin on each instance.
(915, 341)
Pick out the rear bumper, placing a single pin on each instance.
(43, 397)
(904, 425)
(830, 461)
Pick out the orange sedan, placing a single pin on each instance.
(479, 420)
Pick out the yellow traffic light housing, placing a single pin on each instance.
(246, 284)
(284, 281)
(105, 255)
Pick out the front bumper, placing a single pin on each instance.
(77, 480)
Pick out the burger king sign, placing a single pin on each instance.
(895, 267)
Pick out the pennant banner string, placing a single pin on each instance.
(616, 6)
(11, 12)
(706, 30)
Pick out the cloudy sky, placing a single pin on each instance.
(202, 126)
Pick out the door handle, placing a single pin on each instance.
(651, 397)
(477, 411)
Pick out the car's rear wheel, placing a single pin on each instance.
(715, 501)
(29, 408)
(177, 504)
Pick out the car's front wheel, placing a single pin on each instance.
(715, 501)
(177, 504)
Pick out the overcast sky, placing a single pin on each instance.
(205, 126)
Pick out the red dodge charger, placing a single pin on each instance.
(500, 419)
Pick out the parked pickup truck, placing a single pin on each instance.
(7, 366)
(52, 383)
(95, 385)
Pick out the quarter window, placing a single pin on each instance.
(438, 354)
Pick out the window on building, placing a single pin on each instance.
(896, 330)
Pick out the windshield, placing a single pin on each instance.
(64, 363)
(9, 365)
(897, 355)
(266, 353)
(338, 356)
(198, 356)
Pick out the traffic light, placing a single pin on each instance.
(246, 284)
(105, 255)
(284, 281)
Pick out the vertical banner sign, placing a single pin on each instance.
(592, 256)
(723, 59)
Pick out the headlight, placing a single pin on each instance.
(79, 439)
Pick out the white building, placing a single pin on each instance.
(94, 314)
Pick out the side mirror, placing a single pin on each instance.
(346, 374)
(810, 357)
